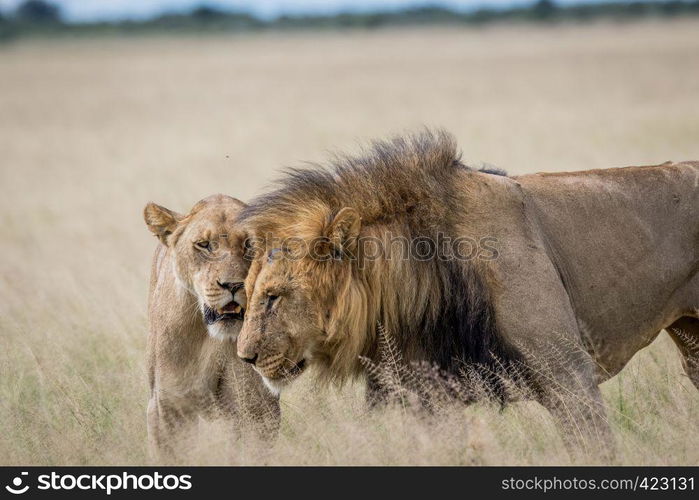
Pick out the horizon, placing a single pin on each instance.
(79, 11)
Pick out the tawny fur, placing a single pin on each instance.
(190, 372)
(614, 250)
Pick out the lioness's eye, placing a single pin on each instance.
(204, 245)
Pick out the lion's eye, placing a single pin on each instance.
(204, 245)
(271, 299)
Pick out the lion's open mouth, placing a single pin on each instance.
(231, 311)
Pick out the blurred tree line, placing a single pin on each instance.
(41, 17)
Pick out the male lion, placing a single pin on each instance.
(587, 269)
(196, 308)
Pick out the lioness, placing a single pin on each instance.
(587, 269)
(196, 308)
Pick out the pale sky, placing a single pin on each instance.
(91, 10)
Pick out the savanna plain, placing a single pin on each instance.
(92, 129)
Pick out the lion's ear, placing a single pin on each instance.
(161, 221)
(343, 231)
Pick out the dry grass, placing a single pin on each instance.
(92, 130)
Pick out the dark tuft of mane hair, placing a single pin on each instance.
(493, 170)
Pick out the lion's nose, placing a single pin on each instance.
(251, 360)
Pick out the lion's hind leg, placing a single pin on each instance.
(685, 333)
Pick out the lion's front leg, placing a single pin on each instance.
(567, 388)
(248, 403)
(563, 378)
(534, 315)
(167, 423)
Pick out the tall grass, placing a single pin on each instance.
(92, 130)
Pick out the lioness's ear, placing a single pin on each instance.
(161, 221)
(343, 231)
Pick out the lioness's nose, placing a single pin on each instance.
(230, 286)
(252, 360)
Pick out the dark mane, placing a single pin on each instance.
(413, 185)
(464, 338)
(390, 179)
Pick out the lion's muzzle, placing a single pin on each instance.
(275, 366)
(229, 306)
(231, 311)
